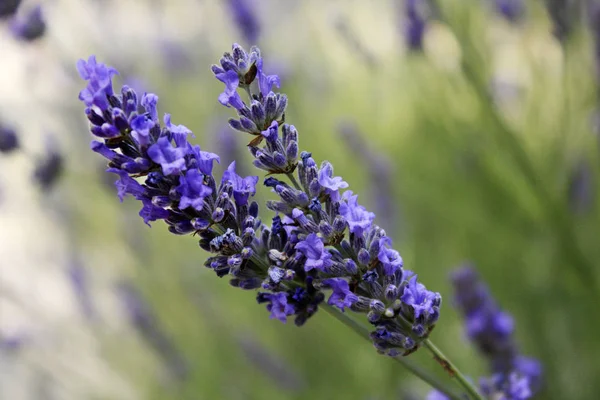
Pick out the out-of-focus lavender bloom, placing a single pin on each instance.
(49, 167)
(245, 18)
(512, 10)
(415, 22)
(581, 188)
(273, 367)
(29, 27)
(8, 7)
(380, 176)
(79, 282)
(12, 342)
(491, 330)
(350, 38)
(145, 322)
(486, 325)
(9, 141)
(435, 395)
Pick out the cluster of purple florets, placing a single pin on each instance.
(321, 238)
(330, 239)
(491, 330)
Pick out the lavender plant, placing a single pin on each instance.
(245, 19)
(514, 377)
(9, 141)
(414, 29)
(321, 239)
(512, 10)
(30, 26)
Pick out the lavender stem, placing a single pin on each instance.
(409, 365)
(452, 370)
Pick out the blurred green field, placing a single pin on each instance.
(483, 131)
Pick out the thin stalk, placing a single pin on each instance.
(290, 175)
(452, 370)
(409, 365)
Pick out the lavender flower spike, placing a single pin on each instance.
(310, 247)
(245, 19)
(415, 24)
(330, 241)
(491, 330)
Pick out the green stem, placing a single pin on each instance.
(452, 370)
(409, 365)
(292, 178)
(247, 89)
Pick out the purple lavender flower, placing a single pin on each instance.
(487, 326)
(151, 212)
(331, 184)
(49, 167)
(341, 296)
(313, 248)
(435, 395)
(242, 187)
(414, 29)
(99, 88)
(127, 185)
(317, 257)
(512, 10)
(265, 82)
(306, 250)
(245, 19)
(391, 259)
(491, 330)
(171, 159)
(30, 27)
(193, 190)
(8, 7)
(514, 387)
(358, 218)
(279, 307)
(422, 300)
(230, 96)
(9, 141)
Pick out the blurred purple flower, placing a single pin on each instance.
(245, 18)
(29, 27)
(9, 141)
(8, 7)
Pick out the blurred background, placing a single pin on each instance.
(469, 127)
